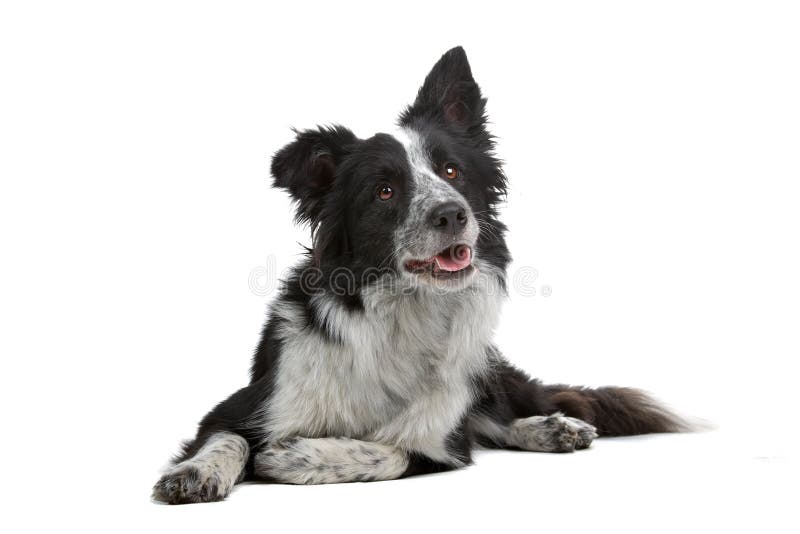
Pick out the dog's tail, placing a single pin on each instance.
(616, 411)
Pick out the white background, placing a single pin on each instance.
(652, 152)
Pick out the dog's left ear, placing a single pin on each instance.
(449, 93)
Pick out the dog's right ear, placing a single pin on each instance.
(307, 166)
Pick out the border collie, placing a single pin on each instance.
(377, 361)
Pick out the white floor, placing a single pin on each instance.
(713, 481)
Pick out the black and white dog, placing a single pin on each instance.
(377, 360)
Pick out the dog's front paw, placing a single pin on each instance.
(188, 483)
(553, 433)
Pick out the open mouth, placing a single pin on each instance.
(449, 263)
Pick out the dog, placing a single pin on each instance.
(376, 361)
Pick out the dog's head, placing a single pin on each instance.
(418, 203)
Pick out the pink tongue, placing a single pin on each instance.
(454, 259)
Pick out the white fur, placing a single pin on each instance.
(329, 460)
(487, 427)
(400, 375)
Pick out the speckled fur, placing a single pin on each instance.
(209, 475)
(553, 433)
(329, 460)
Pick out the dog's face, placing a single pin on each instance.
(418, 203)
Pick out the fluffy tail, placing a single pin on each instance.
(615, 411)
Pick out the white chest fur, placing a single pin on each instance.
(401, 374)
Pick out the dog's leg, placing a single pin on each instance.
(515, 411)
(550, 433)
(329, 460)
(539, 433)
(207, 476)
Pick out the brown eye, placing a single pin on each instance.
(451, 171)
(385, 192)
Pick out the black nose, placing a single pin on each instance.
(450, 217)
